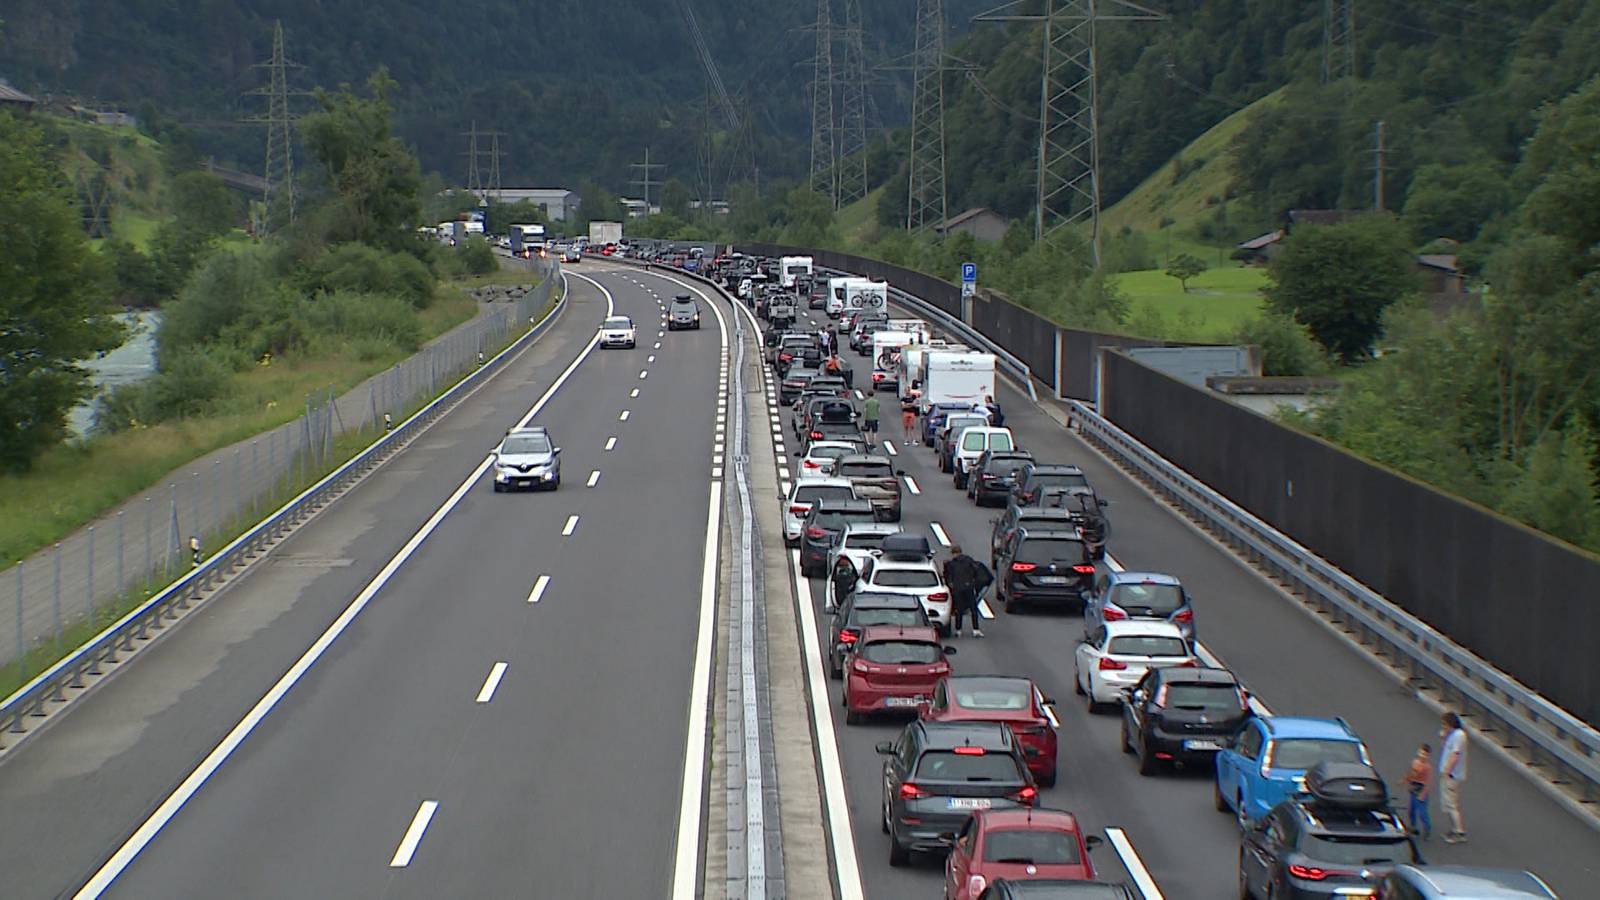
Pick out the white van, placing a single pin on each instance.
(957, 376)
(837, 288)
(887, 377)
(970, 445)
(793, 268)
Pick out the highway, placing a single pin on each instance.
(431, 689)
(1292, 663)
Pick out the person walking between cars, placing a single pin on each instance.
(1419, 781)
(832, 365)
(908, 418)
(844, 580)
(997, 417)
(966, 578)
(1452, 774)
(869, 418)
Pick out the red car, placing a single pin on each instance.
(1017, 845)
(1015, 702)
(893, 668)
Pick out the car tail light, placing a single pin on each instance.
(909, 791)
(1023, 568)
(849, 636)
(1083, 569)
(1184, 615)
(976, 884)
(1112, 614)
(1026, 796)
(1309, 873)
(815, 533)
(938, 596)
(969, 751)
(808, 464)
(861, 666)
(785, 357)
(797, 509)
(816, 435)
(1107, 664)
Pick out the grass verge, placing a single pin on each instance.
(1217, 303)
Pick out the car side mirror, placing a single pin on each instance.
(1103, 503)
(1048, 701)
(556, 452)
(885, 747)
(1093, 841)
(949, 651)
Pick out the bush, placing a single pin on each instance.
(476, 257)
(1287, 347)
(190, 383)
(354, 316)
(216, 297)
(368, 270)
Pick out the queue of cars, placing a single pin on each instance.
(962, 778)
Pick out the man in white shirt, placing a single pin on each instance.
(1452, 774)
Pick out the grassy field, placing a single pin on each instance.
(1218, 301)
(52, 500)
(857, 223)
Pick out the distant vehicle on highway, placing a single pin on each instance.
(896, 568)
(824, 522)
(875, 478)
(1268, 759)
(939, 773)
(618, 331)
(1117, 654)
(683, 312)
(971, 444)
(818, 457)
(1019, 844)
(994, 474)
(1182, 716)
(1010, 700)
(527, 457)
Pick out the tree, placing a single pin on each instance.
(53, 301)
(374, 178)
(675, 198)
(1454, 201)
(808, 218)
(1185, 266)
(1287, 348)
(1337, 280)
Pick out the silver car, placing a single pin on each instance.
(527, 458)
(618, 331)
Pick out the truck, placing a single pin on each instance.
(793, 268)
(603, 233)
(526, 240)
(956, 376)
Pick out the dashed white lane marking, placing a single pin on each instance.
(656, 347)
(537, 594)
(859, 395)
(594, 478)
(722, 418)
(716, 448)
(651, 357)
(623, 417)
(716, 472)
(783, 475)
(486, 693)
(1134, 865)
(408, 844)
(911, 485)
(784, 486)
(644, 373)
(938, 532)
(570, 527)
(984, 610)
(634, 393)
(611, 443)
(888, 447)
(661, 334)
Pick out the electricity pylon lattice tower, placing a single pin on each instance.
(824, 147)
(278, 194)
(1338, 40)
(1068, 181)
(853, 116)
(925, 193)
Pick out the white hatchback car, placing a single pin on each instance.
(618, 331)
(917, 578)
(1116, 655)
(805, 492)
(856, 544)
(820, 457)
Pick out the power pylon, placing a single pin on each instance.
(494, 164)
(645, 179)
(824, 148)
(853, 116)
(1338, 40)
(1068, 183)
(925, 194)
(278, 195)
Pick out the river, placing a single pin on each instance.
(133, 361)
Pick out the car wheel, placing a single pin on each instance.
(1127, 745)
(1241, 817)
(1077, 681)
(883, 819)
(835, 671)
(1216, 796)
(1048, 779)
(1147, 760)
(898, 856)
(498, 487)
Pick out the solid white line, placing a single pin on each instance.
(539, 586)
(623, 417)
(938, 532)
(611, 443)
(408, 844)
(594, 478)
(486, 693)
(1134, 865)
(570, 527)
(888, 447)
(146, 832)
(911, 485)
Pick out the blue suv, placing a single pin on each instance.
(1119, 596)
(1265, 763)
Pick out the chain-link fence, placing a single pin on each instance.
(65, 593)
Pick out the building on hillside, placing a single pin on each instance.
(637, 209)
(981, 222)
(558, 204)
(1441, 274)
(15, 100)
(717, 207)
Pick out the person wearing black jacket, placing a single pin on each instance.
(997, 416)
(844, 579)
(967, 578)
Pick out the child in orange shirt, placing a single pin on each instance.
(1419, 782)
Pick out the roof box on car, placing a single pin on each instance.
(906, 547)
(1346, 786)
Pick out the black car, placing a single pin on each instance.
(1336, 838)
(1005, 889)
(938, 773)
(994, 473)
(1019, 516)
(1182, 715)
(860, 609)
(683, 312)
(1033, 479)
(823, 523)
(1043, 566)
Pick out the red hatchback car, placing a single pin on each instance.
(1017, 845)
(893, 668)
(1012, 701)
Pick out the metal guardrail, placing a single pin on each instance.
(107, 647)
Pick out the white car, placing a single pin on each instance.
(805, 492)
(1117, 654)
(527, 457)
(820, 457)
(618, 331)
(856, 544)
(916, 578)
(970, 445)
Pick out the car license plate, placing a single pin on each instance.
(1201, 745)
(1052, 579)
(970, 803)
(901, 701)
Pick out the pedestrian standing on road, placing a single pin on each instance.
(997, 417)
(869, 418)
(966, 578)
(844, 580)
(908, 418)
(1452, 775)
(1419, 781)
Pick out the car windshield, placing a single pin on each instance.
(901, 653)
(811, 493)
(945, 765)
(1060, 479)
(1148, 599)
(1303, 753)
(863, 541)
(905, 578)
(1041, 848)
(830, 452)
(836, 521)
(993, 698)
(683, 304)
(956, 423)
(1005, 468)
(1202, 696)
(1147, 645)
(866, 469)
(619, 322)
(518, 444)
(906, 617)
(1354, 851)
(1061, 550)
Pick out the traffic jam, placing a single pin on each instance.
(969, 759)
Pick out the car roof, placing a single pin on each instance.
(884, 600)
(881, 562)
(1204, 675)
(1306, 727)
(1016, 682)
(864, 457)
(1049, 533)
(1144, 578)
(1478, 881)
(1364, 822)
(1044, 514)
(627, 319)
(830, 505)
(1056, 819)
(1142, 627)
(950, 735)
(1056, 469)
(1055, 889)
(924, 633)
(527, 429)
(823, 480)
(872, 527)
(826, 443)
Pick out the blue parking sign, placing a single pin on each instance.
(969, 272)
